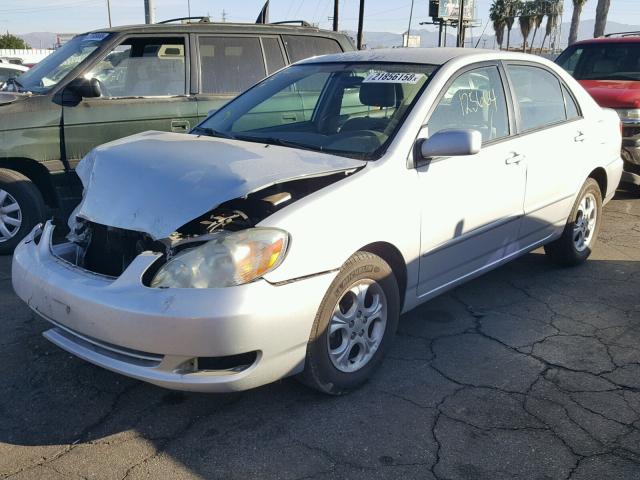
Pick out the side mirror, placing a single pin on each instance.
(451, 143)
(85, 87)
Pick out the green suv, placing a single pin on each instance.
(108, 84)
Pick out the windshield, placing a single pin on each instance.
(602, 61)
(55, 67)
(350, 109)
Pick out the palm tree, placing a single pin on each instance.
(538, 16)
(497, 16)
(552, 20)
(510, 17)
(527, 22)
(575, 20)
(602, 10)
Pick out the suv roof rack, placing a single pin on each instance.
(179, 19)
(302, 23)
(623, 34)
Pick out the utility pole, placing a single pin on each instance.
(189, 8)
(149, 11)
(460, 42)
(109, 11)
(335, 14)
(409, 29)
(360, 24)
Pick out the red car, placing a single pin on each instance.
(609, 69)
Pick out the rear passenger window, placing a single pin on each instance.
(230, 64)
(300, 47)
(572, 108)
(272, 54)
(538, 96)
(475, 100)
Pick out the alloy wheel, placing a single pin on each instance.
(585, 222)
(357, 326)
(10, 216)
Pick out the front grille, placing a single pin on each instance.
(629, 132)
(235, 363)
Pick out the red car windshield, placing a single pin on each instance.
(602, 61)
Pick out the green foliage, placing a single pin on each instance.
(11, 41)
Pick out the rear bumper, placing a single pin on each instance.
(155, 335)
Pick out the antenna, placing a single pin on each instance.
(224, 15)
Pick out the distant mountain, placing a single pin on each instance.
(40, 39)
(429, 36)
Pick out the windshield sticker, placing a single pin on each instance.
(393, 77)
(95, 37)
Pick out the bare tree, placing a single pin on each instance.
(602, 11)
(575, 20)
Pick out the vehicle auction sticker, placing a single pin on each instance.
(393, 77)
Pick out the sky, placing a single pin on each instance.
(75, 16)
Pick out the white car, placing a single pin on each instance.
(10, 70)
(288, 232)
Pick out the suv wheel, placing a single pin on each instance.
(21, 208)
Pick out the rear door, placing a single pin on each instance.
(555, 139)
(229, 64)
(144, 82)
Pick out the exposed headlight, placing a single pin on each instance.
(231, 258)
(629, 115)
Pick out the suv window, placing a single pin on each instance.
(475, 100)
(230, 64)
(272, 54)
(538, 96)
(602, 61)
(300, 47)
(143, 67)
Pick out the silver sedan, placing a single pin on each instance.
(289, 230)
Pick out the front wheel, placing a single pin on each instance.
(354, 325)
(581, 230)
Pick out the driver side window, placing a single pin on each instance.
(143, 67)
(475, 100)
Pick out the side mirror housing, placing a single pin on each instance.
(85, 87)
(451, 143)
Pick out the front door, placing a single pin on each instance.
(471, 205)
(144, 83)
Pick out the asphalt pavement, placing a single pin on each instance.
(529, 372)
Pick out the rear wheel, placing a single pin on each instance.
(581, 230)
(21, 208)
(354, 325)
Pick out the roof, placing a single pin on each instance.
(628, 39)
(213, 27)
(428, 55)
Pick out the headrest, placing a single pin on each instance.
(378, 94)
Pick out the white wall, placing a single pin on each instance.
(32, 55)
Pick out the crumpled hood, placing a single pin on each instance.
(156, 182)
(614, 93)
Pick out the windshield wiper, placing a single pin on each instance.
(211, 132)
(13, 81)
(280, 142)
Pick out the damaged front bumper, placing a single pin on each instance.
(173, 338)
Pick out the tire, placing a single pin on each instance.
(371, 277)
(568, 250)
(16, 189)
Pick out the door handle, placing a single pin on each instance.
(290, 116)
(180, 126)
(580, 137)
(515, 158)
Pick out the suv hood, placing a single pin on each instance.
(614, 93)
(156, 182)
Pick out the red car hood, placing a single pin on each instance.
(614, 93)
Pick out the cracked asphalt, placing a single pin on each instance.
(530, 372)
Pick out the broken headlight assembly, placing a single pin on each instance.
(226, 260)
